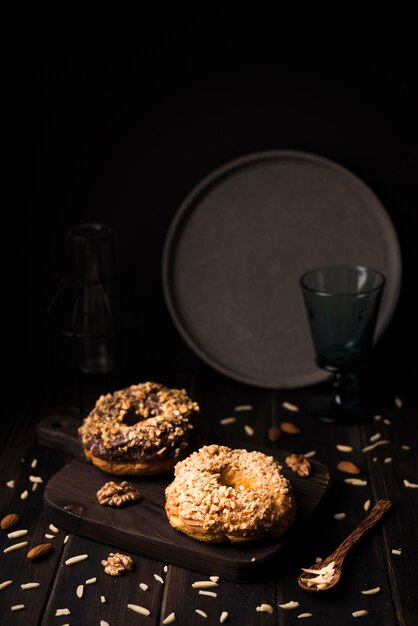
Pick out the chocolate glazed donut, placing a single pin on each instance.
(143, 429)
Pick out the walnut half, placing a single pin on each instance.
(114, 494)
(117, 564)
(299, 464)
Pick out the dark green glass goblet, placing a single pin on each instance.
(342, 304)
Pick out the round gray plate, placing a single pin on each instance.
(238, 245)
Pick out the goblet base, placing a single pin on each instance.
(332, 409)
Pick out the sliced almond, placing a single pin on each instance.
(15, 546)
(348, 467)
(204, 584)
(5, 584)
(398, 402)
(201, 613)
(290, 407)
(274, 433)
(305, 615)
(360, 613)
(343, 448)
(9, 521)
(339, 516)
(356, 481)
(249, 430)
(374, 445)
(138, 609)
(371, 592)
(366, 505)
(290, 429)
(227, 420)
(223, 617)
(243, 407)
(169, 619)
(409, 484)
(289, 605)
(264, 608)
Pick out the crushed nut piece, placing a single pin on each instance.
(290, 407)
(343, 448)
(116, 564)
(299, 464)
(264, 608)
(360, 613)
(138, 609)
(290, 605)
(114, 494)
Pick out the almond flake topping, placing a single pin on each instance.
(356, 481)
(375, 437)
(227, 420)
(76, 559)
(17, 607)
(374, 445)
(138, 609)
(408, 484)
(366, 505)
(305, 615)
(339, 516)
(343, 448)
(224, 617)
(201, 584)
(5, 584)
(249, 430)
(169, 619)
(30, 586)
(200, 612)
(243, 407)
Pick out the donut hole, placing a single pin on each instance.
(234, 479)
(131, 417)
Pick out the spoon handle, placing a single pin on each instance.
(379, 509)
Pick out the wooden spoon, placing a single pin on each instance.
(338, 556)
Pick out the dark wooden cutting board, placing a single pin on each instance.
(71, 503)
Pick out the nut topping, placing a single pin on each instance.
(348, 467)
(290, 428)
(117, 564)
(9, 521)
(274, 433)
(114, 494)
(299, 464)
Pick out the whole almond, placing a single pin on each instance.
(274, 433)
(348, 467)
(9, 521)
(38, 552)
(290, 429)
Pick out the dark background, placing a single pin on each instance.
(120, 135)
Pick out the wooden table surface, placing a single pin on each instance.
(372, 564)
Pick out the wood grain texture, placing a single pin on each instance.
(143, 527)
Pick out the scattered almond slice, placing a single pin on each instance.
(408, 484)
(103, 599)
(91, 581)
(377, 418)
(160, 580)
(80, 591)
(224, 616)
(76, 559)
(348, 467)
(201, 613)
(339, 516)
(227, 420)
(374, 445)
(249, 430)
(212, 594)
(343, 448)
(305, 615)
(366, 505)
(318, 559)
(398, 402)
(202, 584)
(387, 422)
(15, 534)
(24, 494)
(169, 619)
(361, 613)
(289, 605)
(405, 447)
(375, 437)
(35, 479)
(34, 463)
(5, 584)
(356, 481)
(290, 407)
(138, 609)
(310, 454)
(30, 586)
(53, 528)
(11, 484)
(17, 607)
(243, 407)
(371, 592)
(322, 570)
(214, 579)
(290, 429)
(388, 459)
(143, 586)
(15, 546)
(397, 552)
(60, 612)
(264, 608)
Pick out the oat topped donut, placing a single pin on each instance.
(220, 494)
(143, 429)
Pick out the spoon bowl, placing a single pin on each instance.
(327, 582)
